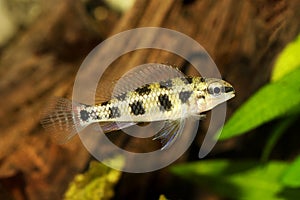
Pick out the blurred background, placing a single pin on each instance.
(43, 43)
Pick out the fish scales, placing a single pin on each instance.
(151, 102)
(167, 99)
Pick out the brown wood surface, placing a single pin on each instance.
(243, 38)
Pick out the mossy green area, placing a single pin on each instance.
(97, 183)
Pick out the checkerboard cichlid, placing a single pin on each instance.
(155, 92)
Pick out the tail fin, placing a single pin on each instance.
(61, 119)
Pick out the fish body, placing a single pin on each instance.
(168, 100)
(172, 100)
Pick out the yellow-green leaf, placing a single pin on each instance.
(274, 100)
(287, 61)
(292, 176)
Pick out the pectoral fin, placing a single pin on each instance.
(170, 132)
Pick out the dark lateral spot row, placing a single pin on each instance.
(121, 97)
(165, 103)
(114, 112)
(187, 80)
(143, 90)
(104, 103)
(94, 115)
(184, 96)
(200, 96)
(137, 108)
(165, 84)
(84, 115)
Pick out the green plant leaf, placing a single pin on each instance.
(96, 183)
(277, 132)
(239, 179)
(271, 101)
(292, 176)
(287, 61)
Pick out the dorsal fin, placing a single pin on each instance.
(145, 74)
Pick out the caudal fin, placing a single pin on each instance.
(61, 119)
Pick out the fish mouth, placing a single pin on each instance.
(229, 96)
(229, 92)
(229, 89)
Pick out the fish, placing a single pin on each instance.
(151, 92)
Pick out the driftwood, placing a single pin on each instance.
(243, 38)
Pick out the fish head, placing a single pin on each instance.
(216, 91)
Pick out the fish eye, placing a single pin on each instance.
(215, 88)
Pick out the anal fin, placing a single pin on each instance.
(114, 126)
